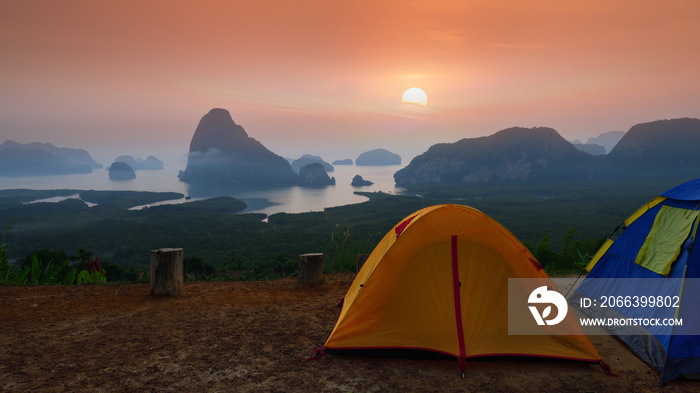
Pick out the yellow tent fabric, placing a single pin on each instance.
(662, 246)
(599, 254)
(438, 281)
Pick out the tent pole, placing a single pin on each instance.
(574, 284)
(458, 306)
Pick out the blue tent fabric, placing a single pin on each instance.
(673, 351)
(688, 191)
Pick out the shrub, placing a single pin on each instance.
(196, 269)
(93, 274)
(6, 270)
(46, 267)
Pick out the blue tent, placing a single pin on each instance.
(646, 276)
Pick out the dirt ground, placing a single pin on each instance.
(248, 336)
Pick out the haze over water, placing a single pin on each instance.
(268, 200)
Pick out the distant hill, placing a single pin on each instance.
(307, 159)
(512, 154)
(221, 152)
(607, 139)
(590, 148)
(76, 156)
(659, 146)
(346, 161)
(41, 159)
(138, 164)
(378, 157)
(529, 154)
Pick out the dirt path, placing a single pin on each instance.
(247, 336)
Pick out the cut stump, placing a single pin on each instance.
(166, 272)
(311, 269)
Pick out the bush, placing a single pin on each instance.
(7, 273)
(46, 267)
(341, 253)
(572, 257)
(116, 273)
(196, 269)
(93, 274)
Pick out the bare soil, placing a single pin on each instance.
(249, 336)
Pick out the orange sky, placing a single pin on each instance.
(326, 77)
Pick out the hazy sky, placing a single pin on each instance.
(326, 76)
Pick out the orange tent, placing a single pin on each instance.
(438, 281)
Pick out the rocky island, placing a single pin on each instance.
(315, 174)
(358, 181)
(221, 152)
(307, 159)
(121, 171)
(378, 157)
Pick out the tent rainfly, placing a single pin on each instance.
(654, 254)
(437, 283)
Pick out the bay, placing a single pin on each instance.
(268, 200)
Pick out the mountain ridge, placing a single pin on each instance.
(540, 153)
(40, 159)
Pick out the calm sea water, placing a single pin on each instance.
(267, 200)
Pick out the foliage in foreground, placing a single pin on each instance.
(47, 267)
(573, 254)
(6, 272)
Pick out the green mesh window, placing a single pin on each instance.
(666, 237)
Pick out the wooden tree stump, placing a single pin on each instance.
(311, 269)
(166, 272)
(361, 259)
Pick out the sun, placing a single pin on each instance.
(415, 95)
